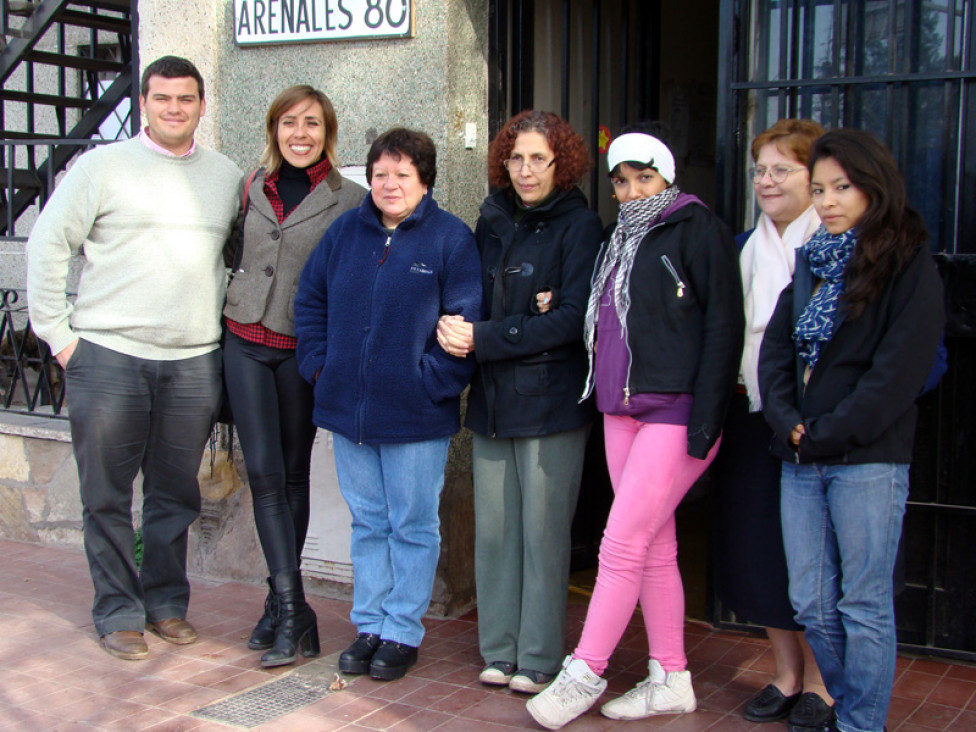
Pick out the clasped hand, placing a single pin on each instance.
(455, 335)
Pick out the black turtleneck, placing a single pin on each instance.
(293, 185)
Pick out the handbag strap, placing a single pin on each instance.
(245, 203)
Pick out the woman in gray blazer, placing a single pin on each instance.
(289, 203)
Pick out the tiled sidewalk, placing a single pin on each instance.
(53, 675)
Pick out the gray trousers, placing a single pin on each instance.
(129, 414)
(525, 492)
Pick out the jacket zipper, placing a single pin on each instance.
(630, 353)
(674, 275)
(363, 359)
(386, 249)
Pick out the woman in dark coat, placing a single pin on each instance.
(538, 241)
(845, 355)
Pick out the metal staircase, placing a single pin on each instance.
(65, 67)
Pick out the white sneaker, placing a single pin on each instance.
(659, 693)
(498, 673)
(574, 690)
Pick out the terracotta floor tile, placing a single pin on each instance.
(193, 700)
(81, 687)
(965, 722)
(440, 669)
(929, 666)
(179, 724)
(962, 671)
(500, 709)
(422, 721)
(915, 684)
(460, 701)
(299, 721)
(428, 694)
(355, 709)
(387, 716)
(934, 716)
(953, 692)
(154, 691)
(458, 724)
(141, 720)
(902, 708)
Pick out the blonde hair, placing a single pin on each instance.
(271, 157)
(792, 137)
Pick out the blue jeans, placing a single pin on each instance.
(841, 525)
(393, 492)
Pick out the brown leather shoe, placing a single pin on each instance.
(174, 630)
(129, 645)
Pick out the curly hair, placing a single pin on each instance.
(793, 137)
(890, 230)
(572, 156)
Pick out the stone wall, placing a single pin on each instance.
(40, 503)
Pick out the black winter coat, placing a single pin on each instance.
(859, 403)
(531, 366)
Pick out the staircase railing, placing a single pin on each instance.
(58, 42)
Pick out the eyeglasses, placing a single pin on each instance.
(536, 165)
(778, 173)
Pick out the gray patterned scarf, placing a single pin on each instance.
(634, 221)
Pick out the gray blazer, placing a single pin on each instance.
(263, 288)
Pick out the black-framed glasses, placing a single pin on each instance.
(536, 165)
(777, 173)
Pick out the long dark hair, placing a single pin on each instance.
(890, 231)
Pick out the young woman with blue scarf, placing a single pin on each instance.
(845, 354)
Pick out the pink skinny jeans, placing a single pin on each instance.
(650, 471)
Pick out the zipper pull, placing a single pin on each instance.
(626, 396)
(386, 249)
(681, 289)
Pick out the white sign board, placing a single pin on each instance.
(296, 21)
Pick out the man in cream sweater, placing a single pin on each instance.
(139, 345)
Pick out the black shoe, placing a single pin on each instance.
(770, 705)
(392, 660)
(262, 637)
(357, 657)
(297, 629)
(811, 712)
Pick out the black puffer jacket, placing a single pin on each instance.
(531, 366)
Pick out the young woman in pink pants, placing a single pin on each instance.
(664, 328)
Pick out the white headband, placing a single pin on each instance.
(636, 147)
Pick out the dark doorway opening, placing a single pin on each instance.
(603, 64)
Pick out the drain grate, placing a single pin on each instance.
(257, 706)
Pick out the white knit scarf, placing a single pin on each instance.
(767, 263)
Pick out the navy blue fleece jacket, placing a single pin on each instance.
(366, 316)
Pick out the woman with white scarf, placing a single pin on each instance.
(664, 332)
(750, 566)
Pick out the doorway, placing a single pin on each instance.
(603, 64)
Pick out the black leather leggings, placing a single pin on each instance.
(272, 406)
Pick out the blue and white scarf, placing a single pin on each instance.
(828, 256)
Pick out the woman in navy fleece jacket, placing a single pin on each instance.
(366, 313)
